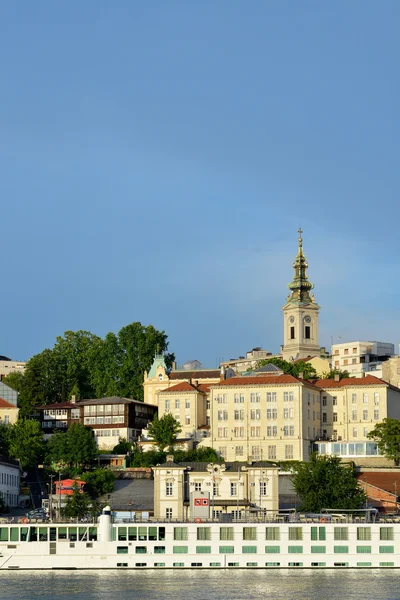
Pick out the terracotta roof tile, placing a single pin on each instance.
(180, 387)
(383, 480)
(5, 404)
(204, 387)
(200, 374)
(350, 381)
(261, 380)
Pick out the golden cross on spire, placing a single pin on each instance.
(300, 231)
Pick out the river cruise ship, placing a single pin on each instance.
(282, 541)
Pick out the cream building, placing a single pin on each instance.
(190, 405)
(264, 417)
(391, 371)
(214, 491)
(300, 313)
(8, 366)
(361, 357)
(8, 413)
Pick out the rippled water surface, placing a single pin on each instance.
(199, 585)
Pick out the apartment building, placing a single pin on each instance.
(361, 357)
(189, 403)
(8, 366)
(212, 491)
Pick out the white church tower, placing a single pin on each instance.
(300, 313)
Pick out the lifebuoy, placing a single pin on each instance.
(322, 520)
(24, 520)
(197, 520)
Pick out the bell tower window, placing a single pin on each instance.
(307, 332)
(292, 335)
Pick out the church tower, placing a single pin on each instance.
(300, 313)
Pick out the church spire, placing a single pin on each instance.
(300, 286)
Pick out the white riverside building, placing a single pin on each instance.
(324, 541)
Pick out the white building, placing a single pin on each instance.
(10, 472)
(8, 366)
(361, 357)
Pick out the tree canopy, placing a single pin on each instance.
(335, 372)
(325, 482)
(98, 482)
(75, 449)
(295, 369)
(387, 438)
(77, 505)
(25, 442)
(88, 366)
(164, 431)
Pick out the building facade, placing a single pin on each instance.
(8, 366)
(214, 491)
(361, 357)
(10, 474)
(8, 413)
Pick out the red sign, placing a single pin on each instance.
(201, 501)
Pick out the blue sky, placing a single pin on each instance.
(157, 158)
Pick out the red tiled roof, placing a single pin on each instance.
(260, 380)
(350, 381)
(384, 480)
(180, 387)
(204, 387)
(5, 404)
(208, 374)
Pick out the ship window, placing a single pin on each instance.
(3, 534)
(132, 534)
(72, 534)
(93, 534)
(82, 534)
(14, 534)
(159, 549)
(33, 534)
(53, 534)
(295, 549)
(122, 534)
(249, 533)
(141, 550)
(180, 549)
(62, 533)
(153, 534)
(142, 534)
(204, 533)
(249, 549)
(159, 564)
(43, 535)
(203, 549)
(180, 533)
(226, 533)
(122, 549)
(226, 549)
(141, 565)
(161, 534)
(272, 549)
(24, 534)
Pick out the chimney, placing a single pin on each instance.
(301, 375)
(169, 458)
(362, 373)
(195, 382)
(174, 365)
(336, 377)
(73, 399)
(222, 373)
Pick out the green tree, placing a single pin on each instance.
(335, 372)
(123, 447)
(98, 482)
(77, 505)
(74, 449)
(4, 440)
(26, 442)
(325, 482)
(164, 431)
(300, 366)
(387, 438)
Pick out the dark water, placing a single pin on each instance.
(199, 585)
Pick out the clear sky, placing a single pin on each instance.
(157, 159)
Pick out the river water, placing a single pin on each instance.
(202, 585)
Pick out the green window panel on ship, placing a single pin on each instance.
(132, 534)
(142, 534)
(72, 534)
(141, 550)
(363, 549)
(226, 549)
(159, 564)
(159, 549)
(204, 533)
(295, 533)
(122, 534)
(3, 534)
(364, 534)
(318, 564)
(386, 549)
(180, 533)
(152, 534)
(24, 534)
(272, 564)
(43, 534)
(340, 534)
(386, 534)
(33, 534)
(251, 564)
(249, 549)
(249, 533)
(214, 564)
(161, 534)
(53, 534)
(295, 549)
(82, 532)
(180, 550)
(364, 564)
(122, 549)
(93, 534)
(318, 533)
(386, 564)
(14, 534)
(295, 564)
(62, 533)
(235, 564)
(203, 549)
(272, 549)
(272, 533)
(179, 564)
(341, 549)
(318, 549)
(226, 533)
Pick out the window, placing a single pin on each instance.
(168, 513)
(366, 431)
(386, 549)
(168, 489)
(187, 403)
(307, 332)
(365, 398)
(255, 414)
(376, 398)
(204, 533)
(318, 533)
(167, 405)
(271, 396)
(340, 533)
(239, 450)
(222, 432)
(226, 533)
(292, 336)
(255, 432)
(363, 549)
(346, 350)
(353, 361)
(289, 452)
(318, 549)
(239, 415)
(355, 433)
(226, 549)
(222, 415)
(323, 400)
(336, 351)
(238, 432)
(249, 533)
(354, 398)
(334, 401)
(180, 533)
(177, 403)
(341, 550)
(272, 533)
(255, 451)
(295, 533)
(272, 413)
(272, 431)
(334, 417)
(249, 549)
(233, 489)
(364, 533)
(354, 350)
(365, 415)
(376, 414)
(180, 549)
(215, 489)
(263, 488)
(354, 415)
(203, 550)
(272, 452)
(197, 486)
(254, 397)
(295, 550)
(386, 533)
(239, 398)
